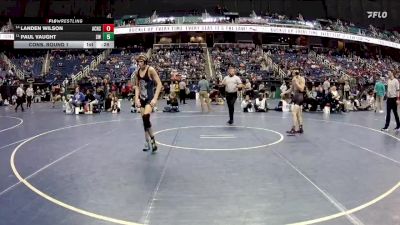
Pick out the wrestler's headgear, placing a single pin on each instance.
(143, 58)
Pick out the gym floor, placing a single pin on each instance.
(90, 169)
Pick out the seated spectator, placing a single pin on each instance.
(247, 104)
(90, 101)
(115, 106)
(334, 100)
(283, 105)
(261, 103)
(77, 99)
(368, 104)
(55, 94)
(172, 103)
(166, 90)
(310, 102)
(38, 95)
(215, 97)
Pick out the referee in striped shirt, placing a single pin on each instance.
(232, 83)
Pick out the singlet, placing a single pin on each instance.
(146, 86)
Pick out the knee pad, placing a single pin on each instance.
(146, 121)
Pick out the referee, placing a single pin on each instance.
(393, 90)
(231, 83)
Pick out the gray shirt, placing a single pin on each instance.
(182, 85)
(204, 85)
(393, 88)
(231, 83)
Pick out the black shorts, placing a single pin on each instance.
(298, 99)
(144, 102)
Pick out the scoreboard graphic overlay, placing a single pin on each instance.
(89, 33)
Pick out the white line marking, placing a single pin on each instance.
(221, 149)
(9, 128)
(352, 218)
(217, 137)
(370, 151)
(52, 163)
(146, 219)
(5, 146)
(113, 220)
(43, 168)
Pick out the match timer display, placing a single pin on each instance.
(38, 33)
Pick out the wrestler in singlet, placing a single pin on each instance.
(298, 95)
(146, 88)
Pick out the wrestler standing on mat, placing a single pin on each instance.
(297, 89)
(146, 99)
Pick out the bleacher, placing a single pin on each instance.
(313, 69)
(119, 65)
(187, 60)
(28, 61)
(65, 63)
(246, 57)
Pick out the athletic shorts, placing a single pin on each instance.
(298, 99)
(144, 102)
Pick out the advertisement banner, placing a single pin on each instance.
(251, 29)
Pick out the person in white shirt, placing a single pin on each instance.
(346, 88)
(65, 83)
(368, 104)
(261, 103)
(283, 87)
(182, 92)
(232, 83)
(20, 97)
(393, 99)
(29, 96)
(326, 86)
(247, 104)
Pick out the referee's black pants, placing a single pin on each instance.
(392, 105)
(20, 102)
(182, 96)
(230, 101)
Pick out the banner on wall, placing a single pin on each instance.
(252, 29)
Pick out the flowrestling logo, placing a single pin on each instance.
(377, 14)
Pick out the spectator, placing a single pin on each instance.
(77, 99)
(90, 101)
(380, 93)
(29, 96)
(182, 91)
(204, 92)
(247, 104)
(261, 103)
(20, 97)
(172, 103)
